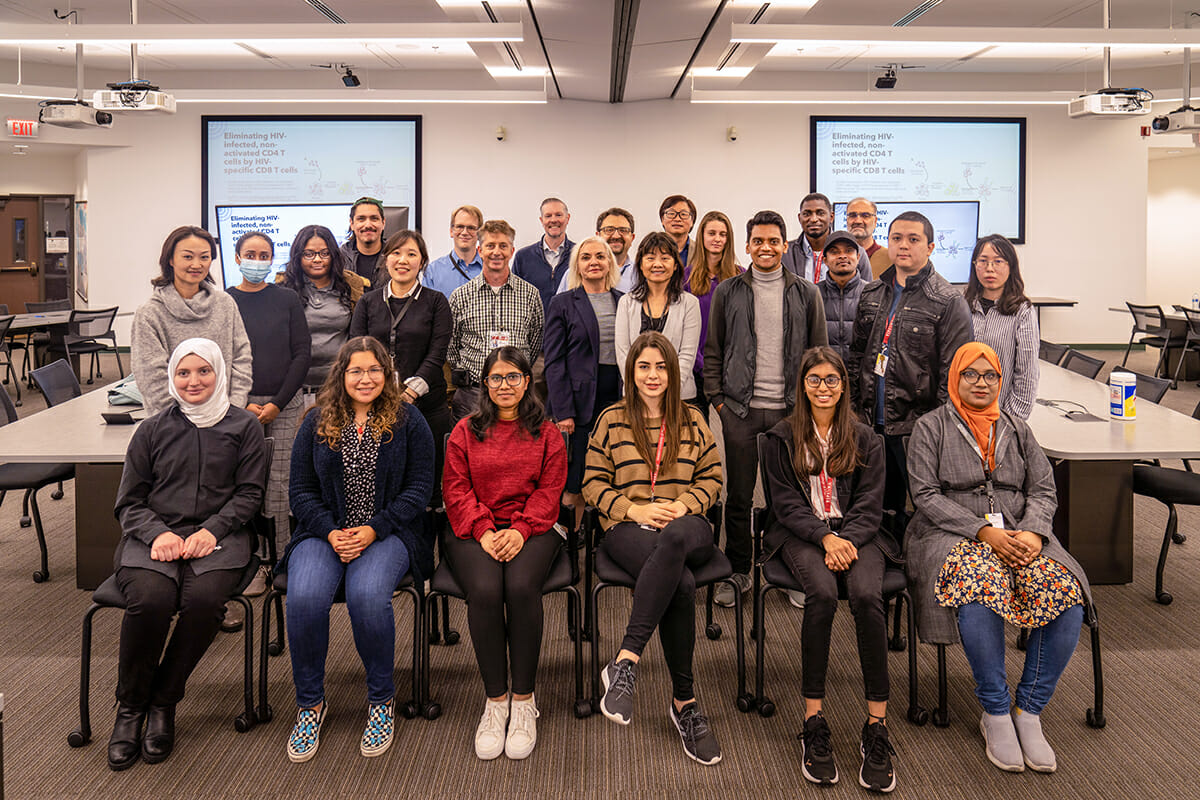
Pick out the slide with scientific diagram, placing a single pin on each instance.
(897, 160)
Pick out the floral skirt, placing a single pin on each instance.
(1028, 597)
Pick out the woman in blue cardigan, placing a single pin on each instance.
(362, 475)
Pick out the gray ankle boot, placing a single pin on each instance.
(1038, 754)
(1003, 748)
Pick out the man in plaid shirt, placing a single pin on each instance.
(492, 310)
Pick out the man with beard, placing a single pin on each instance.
(361, 251)
(615, 226)
(805, 255)
(862, 215)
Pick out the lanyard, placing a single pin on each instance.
(987, 471)
(818, 259)
(826, 491)
(662, 437)
(461, 269)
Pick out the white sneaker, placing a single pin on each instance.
(795, 598)
(489, 736)
(522, 729)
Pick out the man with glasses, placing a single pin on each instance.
(462, 263)
(900, 352)
(805, 256)
(615, 226)
(678, 215)
(493, 309)
(862, 215)
(361, 251)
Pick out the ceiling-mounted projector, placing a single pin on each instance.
(134, 96)
(73, 114)
(1181, 120)
(1110, 102)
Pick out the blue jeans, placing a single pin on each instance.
(315, 573)
(1050, 648)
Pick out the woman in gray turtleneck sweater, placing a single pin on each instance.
(186, 304)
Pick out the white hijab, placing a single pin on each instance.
(212, 410)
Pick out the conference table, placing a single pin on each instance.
(74, 432)
(1039, 303)
(1177, 325)
(1093, 465)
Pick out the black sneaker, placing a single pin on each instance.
(817, 762)
(876, 774)
(617, 703)
(698, 740)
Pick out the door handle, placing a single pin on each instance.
(33, 269)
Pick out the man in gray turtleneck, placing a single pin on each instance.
(760, 324)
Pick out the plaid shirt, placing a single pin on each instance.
(478, 309)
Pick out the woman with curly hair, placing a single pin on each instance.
(362, 474)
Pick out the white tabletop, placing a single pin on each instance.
(1169, 312)
(1158, 432)
(73, 432)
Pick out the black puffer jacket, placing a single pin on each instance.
(841, 303)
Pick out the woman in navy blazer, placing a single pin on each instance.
(582, 374)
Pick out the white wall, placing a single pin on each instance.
(31, 174)
(1172, 208)
(1084, 176)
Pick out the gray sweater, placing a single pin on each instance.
(166, 319)
(769, 380)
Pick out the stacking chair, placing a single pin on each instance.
(603, 572)
(57, 382)
(84, 331)
(36, 339)
(109, 595)
(773, 573)
(1191, 341)
(1047, 351)
(6, 321)
(1083, 365)
(1151, 325)
(1149, 387)
(31, 478)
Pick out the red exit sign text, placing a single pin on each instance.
(22, 127)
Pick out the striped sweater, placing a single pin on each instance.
(1015, 338)
(616, 476)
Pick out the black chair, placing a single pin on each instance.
(1149, 322)
(6, 321)
(109, 595)
(57, 382)
(1086, 366)
(774, 574)
(1171, 487)
(85, 329)
(39, 339)
(1191, 341)
(1148, 387)
(31, 478)
(1047, 351)
(602, 572)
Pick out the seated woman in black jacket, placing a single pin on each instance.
(413, 322)
(194, 476)
(823, 473)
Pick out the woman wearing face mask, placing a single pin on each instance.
(280, 346)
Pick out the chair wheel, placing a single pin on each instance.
(918, 715)
(595, 706)
(57, 494)
(753, 634)
(42, 577)
(431, 711)
(76, 738)
(1178, 538)
(26, 522)
(435, 638)
(275, 648)
(941, 718)
(583, 709)
(745, 703)
(897, 644)
(713, 631)
(409, 710)
(452, 638)
(244, 722)
(266, 714)
(766, 708)
(1095, 720)
(1163, 597)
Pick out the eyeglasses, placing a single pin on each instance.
(673, 214)
(990, 378)
(859, 215)
(832, 381)
(464, 228)
(512, 379)
(609, 230)
(998, 263)
(354, 373)
(310, 255)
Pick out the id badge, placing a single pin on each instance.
(995, 519)
(881, 362)
(499, 339)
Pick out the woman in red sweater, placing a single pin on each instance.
(506, 466)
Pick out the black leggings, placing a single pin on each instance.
(864, 585)
(152, 599)
(665, 594)
(491, 588)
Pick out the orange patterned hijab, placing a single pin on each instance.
(979, 421)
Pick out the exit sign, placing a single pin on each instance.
(26, 128)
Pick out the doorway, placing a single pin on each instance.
(36, 250)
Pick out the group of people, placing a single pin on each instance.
(585, 373)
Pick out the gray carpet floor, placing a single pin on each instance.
(1147, 750)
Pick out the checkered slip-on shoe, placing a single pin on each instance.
(377, 736)
(306, 736)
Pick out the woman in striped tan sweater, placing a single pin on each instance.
(652, 471)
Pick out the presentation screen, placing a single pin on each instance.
(279, 222)
(297, 162)
(895, 159)
(955, 230)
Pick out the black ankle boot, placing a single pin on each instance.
(160, 734)
(126, 741)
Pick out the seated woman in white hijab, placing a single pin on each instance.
(194, 475)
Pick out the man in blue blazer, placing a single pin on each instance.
(543, 264)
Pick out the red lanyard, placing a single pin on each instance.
(818, 258)
(887, 332)
(662, 437)
(826, 491)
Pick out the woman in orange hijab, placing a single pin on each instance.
(980, 552)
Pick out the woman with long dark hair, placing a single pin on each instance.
(823, 473)
(505, 470)
(658, 303)
(1004, 319)
(652, 472)
(362, 476)
(709, 263)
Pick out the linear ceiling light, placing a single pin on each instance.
(255, 34)
(814, 35)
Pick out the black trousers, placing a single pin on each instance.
(504, 607)
(864, 585)
(152, 599)
(664, 596)
(741, 470)
(895, 487)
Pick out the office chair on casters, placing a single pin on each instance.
(1048, 351)
(6, 321)
(1149, 388)
(1191, 341)
(1149, 322)
(58, 384)
(85, 329)
(1171, 487)
(1081, 364)
(35, 339)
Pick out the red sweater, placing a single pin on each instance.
(509, 480)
